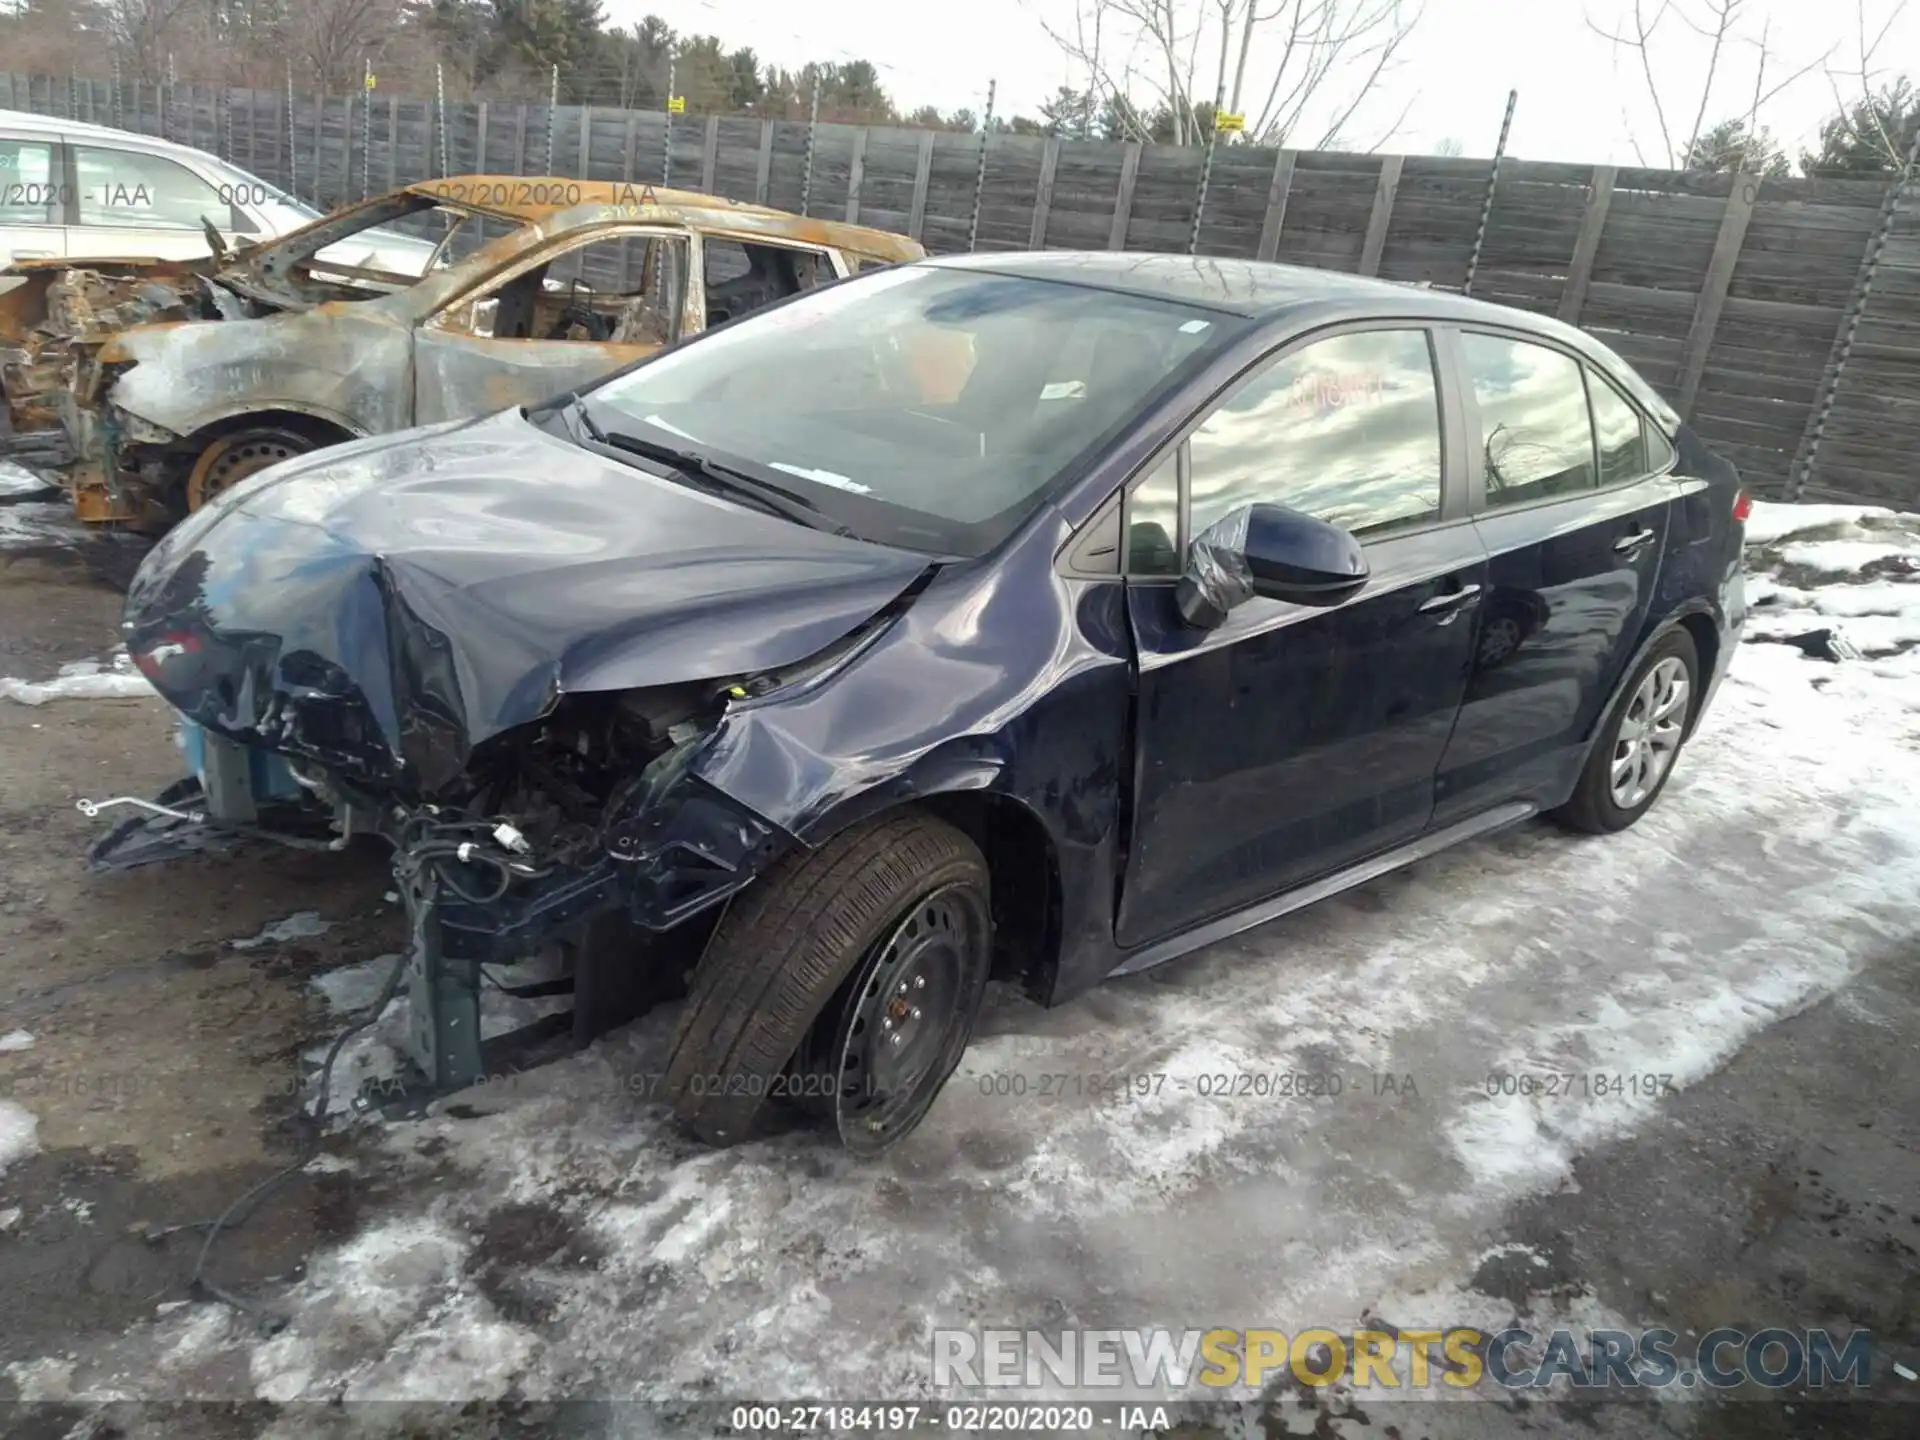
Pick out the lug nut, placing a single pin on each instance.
(916, 1012)
(899, 1040)
(919, 982)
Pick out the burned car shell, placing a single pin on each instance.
(130, 394)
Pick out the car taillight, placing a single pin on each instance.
(1742, 507)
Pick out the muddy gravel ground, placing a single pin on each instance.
(1759, 935)
(165, 1065)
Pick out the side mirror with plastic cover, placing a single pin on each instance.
(1270, 551)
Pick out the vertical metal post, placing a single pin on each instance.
(666, 145)
(980, 175)
(813, 123)
(113, 109)
(293, 161)
(553, 106)
(1903, 185)
(1493, 180)
(226, 123)
(440, 103)
(366, 126)
(1206, 175)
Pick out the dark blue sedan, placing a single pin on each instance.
(1038, 617)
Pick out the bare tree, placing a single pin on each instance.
(1854, 90)
(144, 30)
(1307, 64)
(1648, 33)
(332, 39)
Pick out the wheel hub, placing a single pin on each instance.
(1650, 733)
(908, 1018)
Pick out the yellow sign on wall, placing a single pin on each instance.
(1225, 122)
(676, 104)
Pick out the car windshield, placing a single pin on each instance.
(927, 407)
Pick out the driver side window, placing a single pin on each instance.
(619, 290)
(1345, 429)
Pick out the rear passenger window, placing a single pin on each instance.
(1616, 426)
(1535, 438)
(1346, 430)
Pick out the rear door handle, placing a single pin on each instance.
(1631, 543)
(1449, 601)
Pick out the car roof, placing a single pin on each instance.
(54, 126)
(549, 200)
(1266, 291)
(1255, 288)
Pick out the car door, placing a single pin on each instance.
(555, 321)
(1292, 740)
(134, 204)
(32, 201)
(1574, 524)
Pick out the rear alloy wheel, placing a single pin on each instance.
(232, 458)
(846, 978)
(1636, 748)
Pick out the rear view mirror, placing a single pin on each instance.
(1270, 551)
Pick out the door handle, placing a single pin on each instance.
(1631, 544)
(1451, 601)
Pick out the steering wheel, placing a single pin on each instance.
(598, 327)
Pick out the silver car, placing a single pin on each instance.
(71, 190)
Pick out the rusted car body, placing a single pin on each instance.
(152, 385)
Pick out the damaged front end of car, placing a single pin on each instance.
(524, 698)
(588, 833)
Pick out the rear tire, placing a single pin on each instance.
(825, 950)
(1635, 752)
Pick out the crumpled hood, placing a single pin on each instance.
(385, 606)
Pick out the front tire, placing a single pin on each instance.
(864, 960)
(1635, 752)
(231, 458)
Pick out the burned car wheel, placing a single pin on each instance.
(847, 977)
(232, 458)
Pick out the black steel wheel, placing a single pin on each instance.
(907, 1019)
(798, 993)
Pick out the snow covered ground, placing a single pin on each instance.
(553, 1237)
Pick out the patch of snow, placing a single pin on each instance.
(19, 1133)
(44, 1381)
(82, 680)
(14, 1041)
(81, 1210)
(350, 989)
(1841, 557)
(302, 926)
(10, 1219)
(35, 525)
(1772, 521)
(16, 479)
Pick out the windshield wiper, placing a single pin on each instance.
(725, 479)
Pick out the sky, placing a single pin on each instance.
(1579, 99)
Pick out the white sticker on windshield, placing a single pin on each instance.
(1064, 390)
(1194, 327)
(823, 477)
